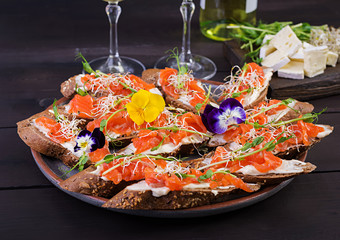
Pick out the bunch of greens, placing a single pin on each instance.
(252, 36)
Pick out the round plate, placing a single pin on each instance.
(54, 170)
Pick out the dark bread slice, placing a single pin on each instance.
(68, 87)
(143, 199)
(42, 144)
(273, 178)
(297, 151)
(301, 109)
(89, 183)
(265, 179)
(261, 98)
(151, 75)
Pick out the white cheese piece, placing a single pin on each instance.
(298, 56)
(306, 45)
(275, 60)
(332, 58)
(315, 60)
(293, 70)
(267, 47)
(286, 41)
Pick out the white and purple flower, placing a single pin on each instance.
(217, 120)
(89, 142)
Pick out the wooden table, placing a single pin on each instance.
(38, 42)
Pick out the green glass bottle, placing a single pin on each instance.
(216, 15)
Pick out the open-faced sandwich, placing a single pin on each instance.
(128, 135)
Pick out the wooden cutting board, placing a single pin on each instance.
(281, 88)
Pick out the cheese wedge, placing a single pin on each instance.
(293, 70)
(286, 41)
(298, 56)
(315, 60)
(332, 58)
(275, 60)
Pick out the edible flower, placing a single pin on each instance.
(145, 106)
(217, 120)
(89, 142)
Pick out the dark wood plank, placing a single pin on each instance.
(17, 164)
(311, 199)
(332, 103)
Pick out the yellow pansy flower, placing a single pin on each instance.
(145, 106)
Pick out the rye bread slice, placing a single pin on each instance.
(301, 109)
(151, 75)
(273, 178)
(68, 87)
(36, 140)
(260, 98)
(144, 199)
(89, 183)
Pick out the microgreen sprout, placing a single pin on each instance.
(55, 110)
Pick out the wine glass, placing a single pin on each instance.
(115, 63)
(202, 67)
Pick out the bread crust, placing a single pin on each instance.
(151, 75)
(42, 144)
(301, 109)
(273, 178)
(88, 183)
(261, 98)
(128, 199)
(68, 87)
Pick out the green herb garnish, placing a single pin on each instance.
(55, 110)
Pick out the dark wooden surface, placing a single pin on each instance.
(38, 42)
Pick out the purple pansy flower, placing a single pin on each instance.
(217, 120)
(89, 142)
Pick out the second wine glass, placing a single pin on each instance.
(115, 63)
(202, 67)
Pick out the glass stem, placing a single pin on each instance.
(113, 11)
(187, 9)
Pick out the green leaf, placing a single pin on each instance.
(235, 95)
(183, 175)
(198, 106)
(159, 145)
(207, 175)
(82, 161)
(103, 124)
(55, 110)
(254, 143)
(86, 65)
(288, 101)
